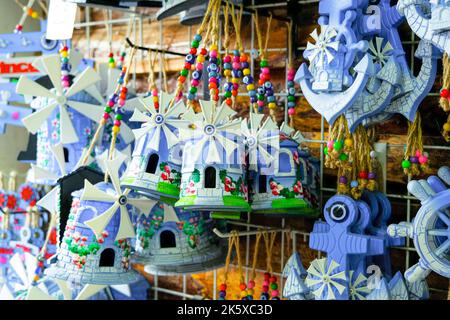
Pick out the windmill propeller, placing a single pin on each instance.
(323, 44)
(165, 119)
(259, 137)
(59, 98)
(119, 201)
(213, 125)
(323, 280)
(378, 52)
(124, 154)
(358, 289)
(292, 133)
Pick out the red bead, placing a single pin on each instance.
(187, 66)
(110, 55)
(212, 85)
(243, 58)
(223, 287)
(193, 51)
(124, 69)
(105, 116)
(363, 175)
(124, 89)
(123, 95)
(445, 93)
(273, 279)
(182, 79)
(261, 82)
(229, 102)
(266, 276)
(242, 286)
(203, 52)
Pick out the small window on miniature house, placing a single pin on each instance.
(107, 258)
(210, 178)
(167, 239)
(66, 154)
(152, 163)
(285, 162)
(262, 183)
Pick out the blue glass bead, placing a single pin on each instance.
(275, 298)
(198, 37)
(261, 90)
(212, 74)
(239, 74)
(244, 65)
(291, 104)
(269, 92)
(227, 65)
(236, 53)
(260, 109)
(291, 91)
(120, 81)
(191, 96)
(267, 84)
(290, 84)
(120, 111)
(196, 75)
(226, 87)
(190, 58)
(222, 294)
(271, 98)
(247, 80)
(249, 297)
(213, 60)
(354, 184)
(264, 296)
(212, 67)
(252, 93)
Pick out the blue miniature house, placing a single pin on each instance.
(173, 241)
(155, 168)
(84, 258)
(212, 174)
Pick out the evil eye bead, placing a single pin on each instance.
(212, 74)
(227, 65)
(196, 75)
(271, 99)
(261, 91)
(291, 91)
(198, 37)
(268, 84)
(247, 80)
(190, 58)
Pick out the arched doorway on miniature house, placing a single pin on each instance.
(210, 178)
(107, 258)
(152, 164)
(167, 239)
(286, 165)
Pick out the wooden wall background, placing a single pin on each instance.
(175, 38)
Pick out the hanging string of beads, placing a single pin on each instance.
(337, 152)
(27, 12)
(444, 100)
(251, 282)
(65, 66)
(152, 88)
(290, 79)
(109, 35)
(415, 161)
(246, 73)
(214, 69)
(265, 92)
(123, 52)
(118, 96)
(270, 280)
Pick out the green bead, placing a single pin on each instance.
(195, 44)
(107, 109)
(184, 72)
(118, 116)
(343, 157)
(291, 98)
(193, 90)
(406, 164)
(263, 63)
(111, 60)
(227, 94)
(260, 97)
(273, 286)
(338, 145)
(65, 60)
(123, 54)
(325, 150)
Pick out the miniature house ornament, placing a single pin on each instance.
(155, 168)
(212, 176)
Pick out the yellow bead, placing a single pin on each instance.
(246, 72)
(116, 129)
(200, 58)
(250, 292)
(272, 105)
(447, 127)
(234, 80)
(35, 15)
(244, 294)
(64, 54)
(250, 87)
(155, 99)
(348, 142)
(112, 65)
(213, 47)
(227, 73)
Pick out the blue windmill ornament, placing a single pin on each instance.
(155, 168)
(95, 248)
(295, 287)
(173, 241)
(325, 280)
(212, 173)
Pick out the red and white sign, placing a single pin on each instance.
(15, 67)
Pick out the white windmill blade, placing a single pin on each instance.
(177, 109)
(50, 201)
(133, 104)
(155, 140)
(178, 123)
(231, 126)
(379, 43)
(147, 104)
(99, 223)
(268, 125)
(298, 136)
(112, 167)
(315, 35)
(5, 293)
(39, 173)
(143, 204)
(330, 56)
(191, 116)
(213, 155)
(268, 158)
(91, 193)
(244, 128)
(19, 268)
(89, 290)
(171, 137)
(139, 133)
(123, 156)
(138, 116)
(89, 161)
(255, 121)
(123, 289)
(387, 48)
(126, 133)
(35, 293)
(75, 58)
(29, 87)
(227, 144)
(82, 81)
(52, 66)
(94, 92)
(113, 75)
(126, 228)
(169, 214)
(58, 153)
(164, 101)
(101, 159)
(310, 46)
(333, 45)
(34, 121)
(207, 110)
(91, 111)
(286, 129)
(198, 150)
(223, 113)
(65, 288)
(69, 135)
(271, 140)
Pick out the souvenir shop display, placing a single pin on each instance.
(278, 154)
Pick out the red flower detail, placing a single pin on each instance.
(2, 199)
(26, 193)
(11, 202)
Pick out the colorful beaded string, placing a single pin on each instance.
(444, 100)
(415, 161)
(223, 286)
(265, 93)
(251, 283)
(109, 34)
(27, 12)
(270, 281)
(290, 78)
(214, 69)
(65, 66)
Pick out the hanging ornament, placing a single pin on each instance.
(28, 11)
(415, 161)
(444, 100)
